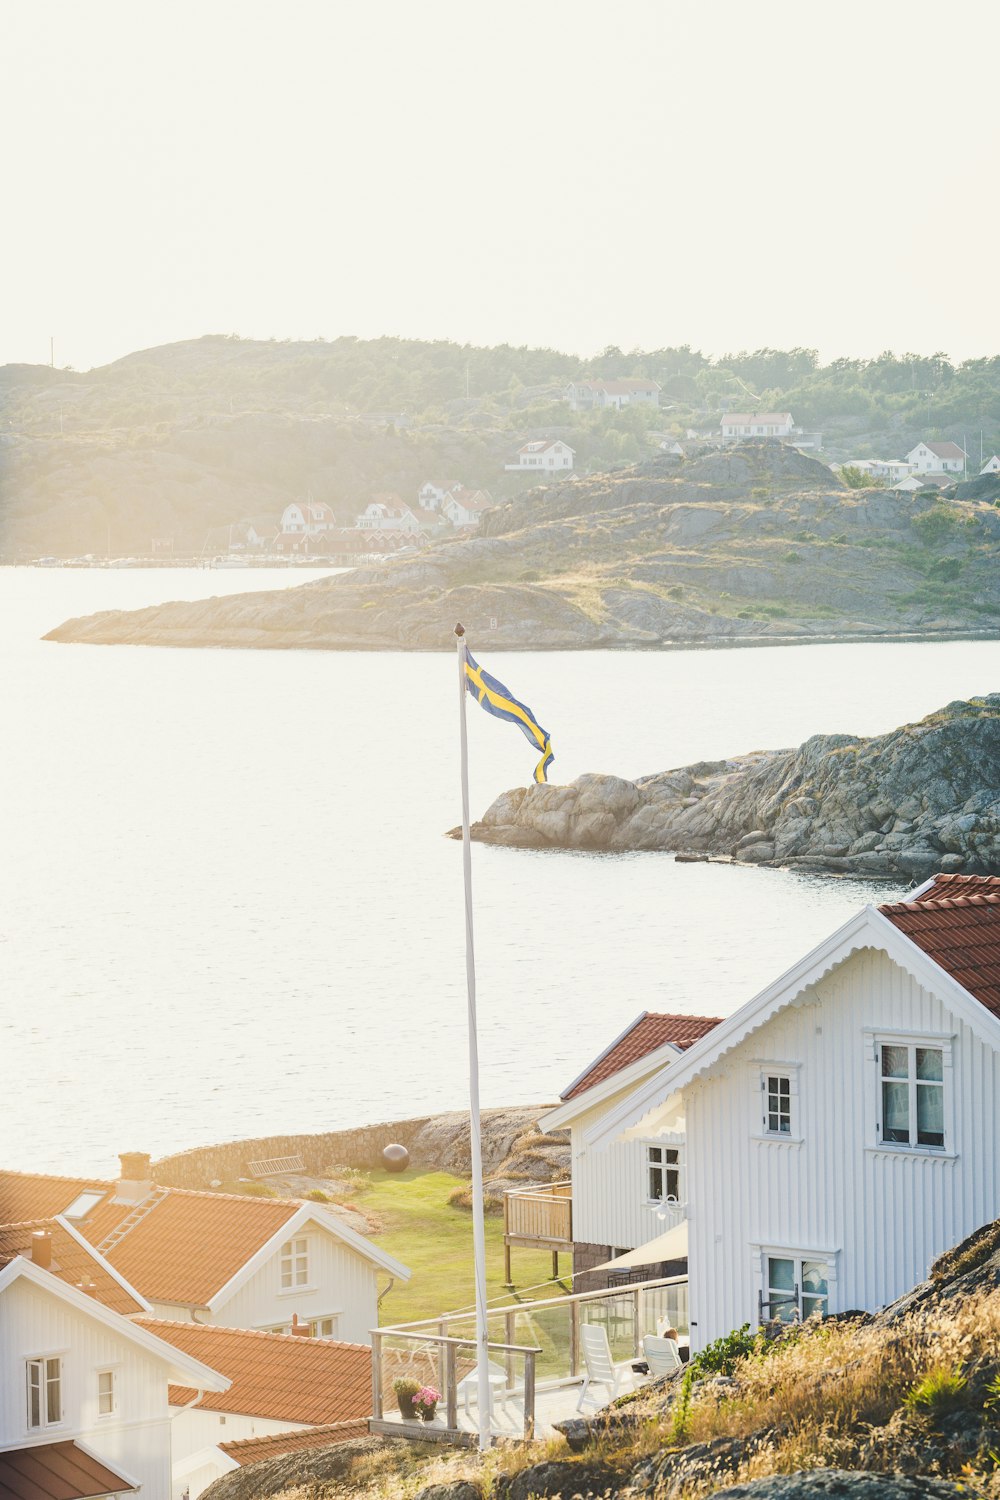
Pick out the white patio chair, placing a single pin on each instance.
(601, 1368)
(661, 1355)
(468, 1388)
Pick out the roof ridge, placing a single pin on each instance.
(275, 1202)
(257, 1333)
(95, 1182)
(295, 1432)
(944, 903)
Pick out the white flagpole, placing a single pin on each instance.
(475, 1137)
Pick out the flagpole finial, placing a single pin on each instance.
(459, 630)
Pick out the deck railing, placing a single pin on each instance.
(539, 1217)
(534, 1350)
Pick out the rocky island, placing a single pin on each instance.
(923, 798)
(749, 545)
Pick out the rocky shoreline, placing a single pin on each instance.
(904, 805)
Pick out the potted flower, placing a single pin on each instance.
(405, 1390)
(425, 1402)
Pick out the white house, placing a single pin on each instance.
(937, 458)
(544, 455)
(888, 470)
(84, 1409)
(217, 1257)
(756, 424)
(631, 1191)
(586, 395)
(913, 482)
(991, 466)
(381, 517)
(307, 518)
(431, 495)
(281, 1388)
(843, 1128)
(465, 507)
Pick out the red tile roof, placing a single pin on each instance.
(946, 450)
(71, 1262)
(755, 418)
(280, 1376)
(252, 1450)
(956, 922)
(33, 1195)
(647, 1033)
(57, 1471)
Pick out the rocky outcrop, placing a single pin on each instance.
(753, 545)
(842, 1484)
(921, 799)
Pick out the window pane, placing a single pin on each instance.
(784, 1087)
(814, 1277)
(654, 1153)
(286, 1280)
(896, 1112)
(34, 1394)
(672, 1155)
(781, 1274)
(930, 1114)
(811, 1305)
(53, 1402)
(930, 1063)
(894, 1062)
(654, 1182)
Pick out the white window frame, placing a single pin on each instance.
(41, 1363)
(763, 1070)
(875, 1039)
(112, 1375)
(760, 1254)
(293, 1263)
(663, 1167)
(316, 1326)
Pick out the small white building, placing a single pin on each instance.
(218, 1258)
(913, 482)
(378, 516)
(279, 1387)
(307, 518)
(888, 470)
(937, 458)
(543, 455)
(588, 395)
(737, 425)
(991, 466)
(464, 508)
(431, 495)
(84, 1408)
(842, 1129)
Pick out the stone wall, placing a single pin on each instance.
(361, 1147)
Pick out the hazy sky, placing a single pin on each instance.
(563, 172)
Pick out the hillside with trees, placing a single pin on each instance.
(180, 442)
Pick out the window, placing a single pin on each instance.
(323, 1328)
(663, 1173)
(294, 1264)
(911, 1094)
(776, 1089)
(44, 1392)
(106, 1402)
(796, 1288)
(82, 1205)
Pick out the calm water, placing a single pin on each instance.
(227, 906)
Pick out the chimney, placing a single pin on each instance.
(136, 1181)
(302, 1329)
(41, 1249)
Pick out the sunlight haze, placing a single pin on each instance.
(558, 174)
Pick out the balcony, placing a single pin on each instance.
(536, 1363)
(539, 1217)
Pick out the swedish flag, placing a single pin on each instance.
(501, 703)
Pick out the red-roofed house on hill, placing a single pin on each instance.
(543, 456)
(628, 1195)
(937, 458)
(588, 395)
(842, 1129)
(282, 1387)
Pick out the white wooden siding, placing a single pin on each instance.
(610, 1186)
(879, 1216)
(136, 1438)
(198, 1432)
(340, 1282)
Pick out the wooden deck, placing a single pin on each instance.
(538, 1218)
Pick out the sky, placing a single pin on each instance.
(564, 173)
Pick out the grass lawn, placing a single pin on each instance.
(435, 1241)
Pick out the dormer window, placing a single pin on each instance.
(83, 1204)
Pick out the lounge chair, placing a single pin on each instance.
(601, 1368)
(661, 1355)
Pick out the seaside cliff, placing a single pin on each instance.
(922, 798)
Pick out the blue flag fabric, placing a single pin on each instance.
(499, 701)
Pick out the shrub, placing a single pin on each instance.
(257, 1190)
(936, 525)
(941, 1390)
(404, 1386)
(317, 1195)
(722, 1356)
(945, 568)
(791, 557)
(676, 590)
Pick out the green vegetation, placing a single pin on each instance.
(940, 1390)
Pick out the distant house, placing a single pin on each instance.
(586, 395)
(307, 518)
(673, 448)
(430, 496)
(910, 483)
(281, 1387)
(991, 466)
(937, 458)
(216, 1257)
(548, 455)
(756, 424)
(379, 516)
(84, 1408)
(886, 469)
(465, 507)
